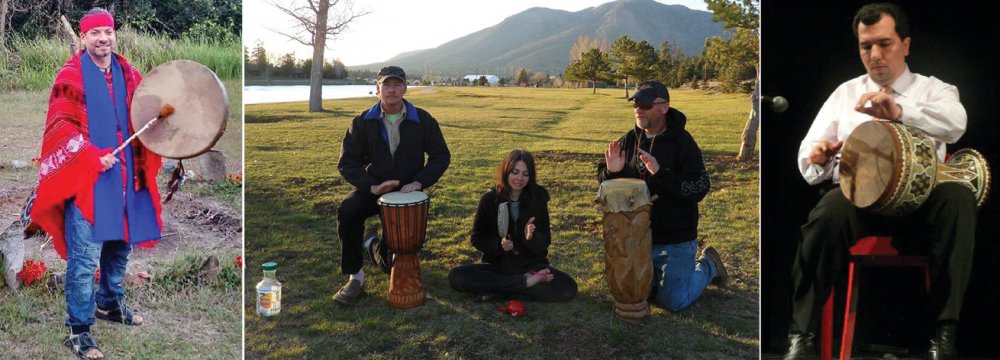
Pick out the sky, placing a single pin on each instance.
(397, 26)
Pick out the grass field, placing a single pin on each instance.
(293, 190)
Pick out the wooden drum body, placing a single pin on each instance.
(890, 168)
(628, 245)
(404, 225)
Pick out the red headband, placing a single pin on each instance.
(96, 20)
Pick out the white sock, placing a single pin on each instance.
(360, 276)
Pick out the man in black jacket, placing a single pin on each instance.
(660, 152)
(383, 151)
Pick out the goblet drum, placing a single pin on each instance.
(404, 225)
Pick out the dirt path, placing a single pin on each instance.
(190, 224)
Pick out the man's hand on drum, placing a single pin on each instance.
(107, 161)
(506, 244)
(614, 156)
(824, 151)
(384, 187)
(651, 164)
(529, 230)
(413, 186)
(883, 106)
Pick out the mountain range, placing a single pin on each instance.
(540, 38)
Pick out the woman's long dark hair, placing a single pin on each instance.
(504, 170)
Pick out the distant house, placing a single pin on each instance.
(491, 79)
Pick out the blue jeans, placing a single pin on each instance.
(82, 257)
(678, 279)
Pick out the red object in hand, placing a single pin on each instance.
(31, 272)
(514, 307)
(97, 274)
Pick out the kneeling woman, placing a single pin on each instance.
(514, 264)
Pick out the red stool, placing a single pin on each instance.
(871, 250)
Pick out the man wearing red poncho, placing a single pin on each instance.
(96, 205)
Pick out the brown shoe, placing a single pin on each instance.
(350, 293)
(721, 275)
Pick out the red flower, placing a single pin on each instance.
(238, 261)
(31, 272)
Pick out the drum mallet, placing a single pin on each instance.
(165, 111)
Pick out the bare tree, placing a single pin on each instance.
(3, 22)
(315, 25)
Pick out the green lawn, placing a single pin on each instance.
(293, 190)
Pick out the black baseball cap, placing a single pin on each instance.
(649, 90)
(391, 71)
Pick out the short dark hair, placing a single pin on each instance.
(872, 13)
(96, 10)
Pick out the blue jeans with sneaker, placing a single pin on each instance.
(83, 255)
(678, 279)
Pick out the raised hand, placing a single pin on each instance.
(824, 151)
(883, 106)
(384, 187)
(651, 164)
(529, 230)
(614, 156)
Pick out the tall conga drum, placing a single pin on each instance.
(628, 245)
(890, 168)
(404, 225)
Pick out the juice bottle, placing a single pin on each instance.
(269, 291)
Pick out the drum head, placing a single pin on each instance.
(868, 163)
(398, 198)
(201, 109)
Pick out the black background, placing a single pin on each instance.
(808, 49)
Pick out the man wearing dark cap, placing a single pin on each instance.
(660, 152)
(383, 151)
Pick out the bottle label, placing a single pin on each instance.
(269, 302)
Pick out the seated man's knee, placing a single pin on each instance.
(954, 195)
(672, 301)
(834, 206)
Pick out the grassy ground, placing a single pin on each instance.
(293, 190)
(184, 321)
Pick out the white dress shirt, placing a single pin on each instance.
(928, 104)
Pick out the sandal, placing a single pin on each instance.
(121, 315)
(82, 343)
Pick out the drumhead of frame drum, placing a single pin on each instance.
(399, 198)
(201, 109)
(868, 163)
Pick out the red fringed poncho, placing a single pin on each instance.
(69, 163)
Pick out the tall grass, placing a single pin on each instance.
(31, 64)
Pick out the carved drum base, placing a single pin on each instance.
(405, 287)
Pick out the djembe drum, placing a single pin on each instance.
(404, 225)
(627, 245)
(890, 168)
